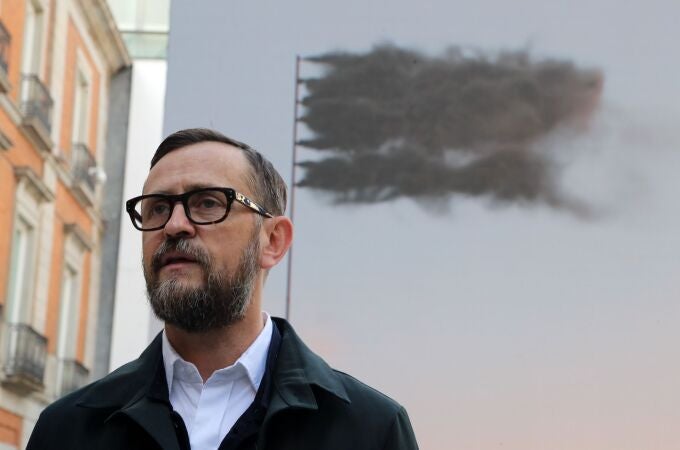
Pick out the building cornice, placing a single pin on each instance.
(72, 229)
(103, 28)
(27, 175)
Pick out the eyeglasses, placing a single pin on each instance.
(202, 207)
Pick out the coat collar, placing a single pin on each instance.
(129, 383)
(139, 391)
(297, 371)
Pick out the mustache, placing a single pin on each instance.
(183, 246)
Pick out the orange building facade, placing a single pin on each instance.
(57, 58)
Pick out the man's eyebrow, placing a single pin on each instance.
(190, 187)
(194, 186)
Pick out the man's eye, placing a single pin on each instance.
(209, 203)
(206, 202)
(157, 209)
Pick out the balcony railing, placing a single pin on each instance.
(5, 40)
(83, 166)
(36, 101)
(73, 375)
(24, 355)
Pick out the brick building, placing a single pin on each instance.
(59, 60)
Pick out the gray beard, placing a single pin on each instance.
(221, 300)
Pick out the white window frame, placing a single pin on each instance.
(76, 245)
(69, 311)
(34, 37)
(132, 15)
(31, 195)
(22, 268)
(82, 98)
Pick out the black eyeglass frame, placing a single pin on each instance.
(231, 194)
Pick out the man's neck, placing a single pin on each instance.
(216, 349)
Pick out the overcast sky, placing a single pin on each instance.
(510, 327)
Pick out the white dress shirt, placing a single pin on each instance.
(210, 409)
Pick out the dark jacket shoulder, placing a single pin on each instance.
(339, 411)
(71, 420)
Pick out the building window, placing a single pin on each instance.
(144, 25)
(142, 15)
(71, 373)
(31, 194)
(23, 348)
(83, 162)
(5, 42)
(69, 317)
(21, 272)
(36, 101)
(81, 107)
(33, 38)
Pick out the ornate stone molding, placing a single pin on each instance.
(72, 229)
(103, 28)
(26, 175)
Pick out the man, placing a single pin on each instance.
(222, 374)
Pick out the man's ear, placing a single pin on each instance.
(279, 236)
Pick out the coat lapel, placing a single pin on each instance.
(139, 391)
(297, 370)
(154, 418)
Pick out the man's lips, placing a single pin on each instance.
(176, 259)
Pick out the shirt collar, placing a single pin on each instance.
(253, 360)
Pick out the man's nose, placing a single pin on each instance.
(179, 224)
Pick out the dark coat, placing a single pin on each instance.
(312, 407)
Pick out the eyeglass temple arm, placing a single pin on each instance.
(251, 204)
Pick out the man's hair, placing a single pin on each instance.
(264, 180)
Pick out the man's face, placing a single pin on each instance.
(200, 277)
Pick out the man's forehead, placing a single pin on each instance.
(199, 165)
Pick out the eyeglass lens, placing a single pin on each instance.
(203, 207)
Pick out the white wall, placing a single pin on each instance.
(133, 323)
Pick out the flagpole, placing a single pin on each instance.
(292, 183)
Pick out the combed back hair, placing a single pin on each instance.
(264, 180)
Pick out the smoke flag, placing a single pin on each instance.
(393, 123)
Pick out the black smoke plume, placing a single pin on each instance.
(396, 123)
